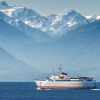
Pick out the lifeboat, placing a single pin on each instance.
(61, 77)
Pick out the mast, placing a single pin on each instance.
(53, 72)
(59, 69)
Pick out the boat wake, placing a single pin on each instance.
(43, 89)
(39, 89)
(95, 89)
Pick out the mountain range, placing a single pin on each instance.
(32, 45)
(52, 25)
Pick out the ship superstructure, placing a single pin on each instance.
(63, 81)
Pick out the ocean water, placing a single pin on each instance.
(28, 91)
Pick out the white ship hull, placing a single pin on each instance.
(66, 84)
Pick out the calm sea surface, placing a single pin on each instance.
(28, 91)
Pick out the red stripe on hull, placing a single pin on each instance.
(66, 87)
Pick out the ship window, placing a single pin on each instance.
(73, 78)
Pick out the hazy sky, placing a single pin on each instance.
(47, 7)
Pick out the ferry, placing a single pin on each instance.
(63, 81)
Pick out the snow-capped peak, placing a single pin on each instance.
(29, 12)
(70, 12)
(3, 3)
(92, 18)
(52, 16)
(70, 15)
(21, 13)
